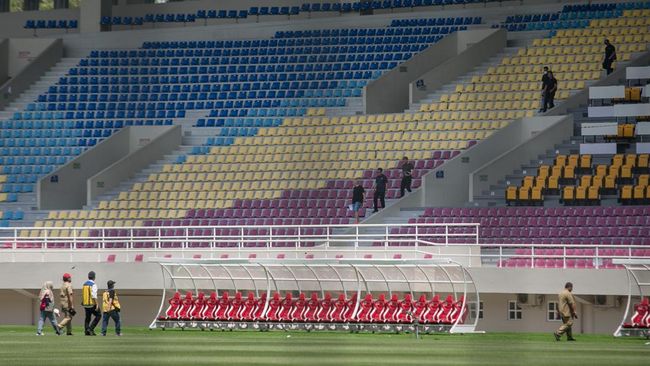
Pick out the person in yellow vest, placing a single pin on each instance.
(111, 307)
(567, 310)
(90, 304)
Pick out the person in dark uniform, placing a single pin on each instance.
(380, 190)
(357, 200)
(610, 57)
(549, 91)
(407, 168)
(544, 81)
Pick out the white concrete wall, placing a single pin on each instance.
(22, 51)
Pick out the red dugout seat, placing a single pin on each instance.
(186, 307)
(339, 309)
(392, 309)
(273, 308)
(448, 307)
(299, 308)
(174, 307)
(365, 310)
(286, 307)
(210, 307)
(248, 309)
(420, 309)
(405, 310)
(351, 308)
(325, 309)
(199, 304)
(236, 307)
(379, 309)
(260, 305)
(222, 310)
(313, 305)
(432, 314)
(641, 317)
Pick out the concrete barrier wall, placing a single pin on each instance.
(66, 187)
(129, 165)
(474, 48)
(391, 92)
(558, 131)
(43, 54)
(4, 60)
(452, 189)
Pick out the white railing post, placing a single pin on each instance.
(446, 235)
(269, 241)
(417, 236)
(386, 234)
(532, 257)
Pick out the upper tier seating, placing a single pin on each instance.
(243, 83)
(573, 55)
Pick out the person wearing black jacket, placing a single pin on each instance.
(407, 168)
(610, 57)
(380, 190)
(549, 91)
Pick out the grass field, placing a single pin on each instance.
(20, 346)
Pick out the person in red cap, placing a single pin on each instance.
(67, 303)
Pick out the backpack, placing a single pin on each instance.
(45, 301)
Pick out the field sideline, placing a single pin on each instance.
(20, 346)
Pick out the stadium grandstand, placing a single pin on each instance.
(220, 142)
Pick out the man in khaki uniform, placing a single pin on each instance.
(567, 310)
(67, 303)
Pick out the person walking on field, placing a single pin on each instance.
(610, 57)
(90, 304)
(380, 190)
(46, 307)
(111, 307)
(407, 168)
(357, 200)
(67, 303)
(567, 310)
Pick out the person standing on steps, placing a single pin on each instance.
(544, 81)
(407, 169)
(90, 304)
(380, 190)
(549, 92)
(67, 303)
(567, 310)
(610, 57)
(357, 200)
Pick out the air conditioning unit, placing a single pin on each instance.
(606, 301)
(530, 299)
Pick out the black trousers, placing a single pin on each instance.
(405, 185)
(381, 196)
(549, 97)
(607, 65)
(88, 325)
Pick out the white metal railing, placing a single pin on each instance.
(390, 241)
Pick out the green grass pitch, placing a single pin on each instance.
(20, 346)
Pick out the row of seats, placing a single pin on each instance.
(51, 24)
(315, 309)
(593, 180)
(422, 22)
(606, 6)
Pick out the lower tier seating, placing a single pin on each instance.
(314, 309)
